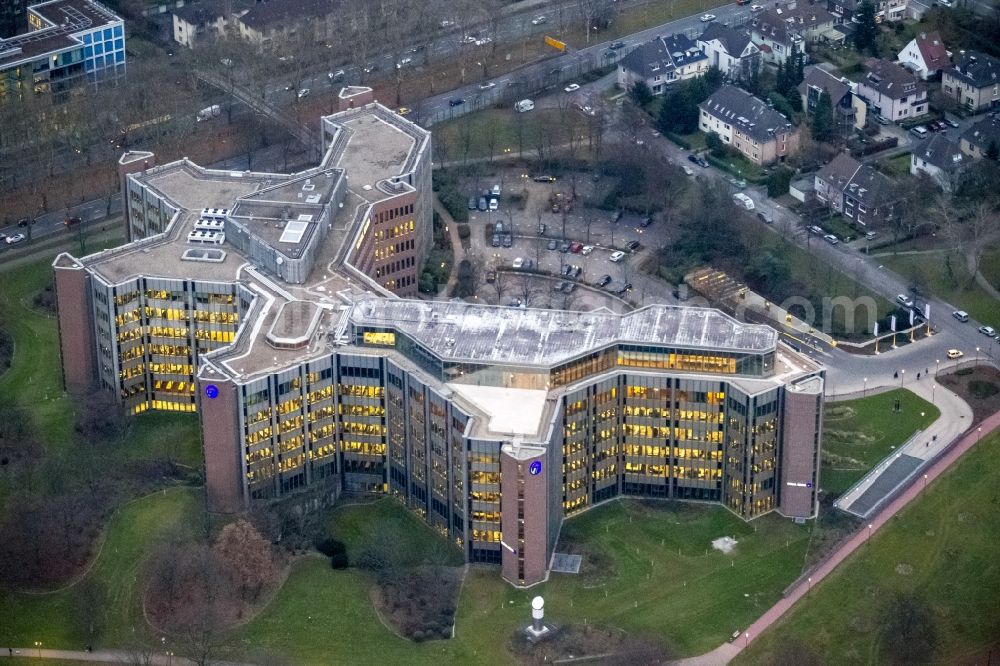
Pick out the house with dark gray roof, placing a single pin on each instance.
(789, 26)
(731, 50)
(974, 81)
(940, 159)
(198, 22)
(662, 61)
(276, 20)
(892, 91)
(848, 109)
(975, 141)
(858, 191)
(748, 124)
(885, 10)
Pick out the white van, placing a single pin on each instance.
(743, 200)
(524, 105)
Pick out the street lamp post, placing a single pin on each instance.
(869, 539)
(864, 391)
(902, 376)
(933, 391)
(38, 646)
(925, 482)
(937, 367)
(977, 355)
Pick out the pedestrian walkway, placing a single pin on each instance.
(138, 656)
(458, 252)
(906, 461)
(727, 651)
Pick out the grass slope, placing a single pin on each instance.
(947, 542)
(858, 434)
(55, 619)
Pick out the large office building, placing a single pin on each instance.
(67, 41)
(280, 308)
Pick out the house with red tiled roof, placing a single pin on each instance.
(925, 55)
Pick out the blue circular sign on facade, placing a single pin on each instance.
(212, 391)
(535, 468)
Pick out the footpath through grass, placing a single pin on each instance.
(60, 619)
(942, 549)
(858, 434)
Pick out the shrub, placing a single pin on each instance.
(464, 232)
(679, 140)
(417, 636)
(331, 547)
(339, 561)
(981, 390)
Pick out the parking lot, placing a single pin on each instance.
(559, 241)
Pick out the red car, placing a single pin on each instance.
(575, 247)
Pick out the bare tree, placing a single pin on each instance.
(526, 288)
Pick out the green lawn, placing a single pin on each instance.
(858, 434)
(657, 554)
(990, 267)
(946, 276)
(841, 227)
(55, 618)
(942, 547)
(897, 167)
(353, 523)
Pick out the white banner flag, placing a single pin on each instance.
(876, 329)
(927, 311)
(892, 324)
(911, 317)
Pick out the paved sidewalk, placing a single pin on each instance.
(956, 418)
(728, 651)
(153, 658)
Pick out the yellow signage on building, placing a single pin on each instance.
(381, 339)
(555, 43)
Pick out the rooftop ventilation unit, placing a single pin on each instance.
(207, 237)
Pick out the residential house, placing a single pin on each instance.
(849, 110)
(858, 191)
(885, 10)
(975, 141)
(662, 61)
(925, 55)
(788, 27)
(749, 125)
(271, 23)
(892, 91)
(204, 21)
(973, 81)
(732, 51)
(940, 158)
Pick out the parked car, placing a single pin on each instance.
(403, 62)
(517, 263)
(632, 245)
(483, 41)
(955, 353)
(688, 171)
(624, 289)
(882, 120)
(705, 18)
(304, 93)
(567, 270)
(617, 256)
(960, 315)
(483, 205)
(988, 331)
(497, 241)
(541, 229)
(831, 239)
(904, 300)
(553, 245)
(576, 271)
(575, 247)
(498, 228)
(336, 76)
(615, 216)
(370, 67)
(765, 217)
(508, 240)
(618, 45)
(816, 230)
(494, 204)
(604, 280)
(919, 131)
(538, 20)
(587, 249)
(404, 111)
(564, 247)
(559, 286)
(456, 101)
(646, 221)
(15, 239)
(544, 179)
(472, 203)
(871, 235)
(573, 87)
(491, 277)
(487, 85)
